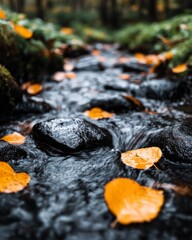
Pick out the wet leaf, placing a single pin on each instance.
(140, 57)
(180, 68)
(23, 31)
(168, 55)
(2, 14)
(142, 158)
(124, 76)
(134, 100)
(14, 138)
(67, 31)
(68, 67)
(58, 76)
(95, 53)
(34, 89)
(70, 75)
(10, 181)
(131, 202)
(98, 113)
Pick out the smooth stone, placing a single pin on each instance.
(71, 134)
(175, 142)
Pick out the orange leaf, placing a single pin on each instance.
(124, 76)
(180, 68)
(2, 14)
(95, 53)
(70, 75)
(58, 76)
(140, 57)
(10, 181)
(166, 41)
(134, 100)
(168, 55)
(67, 31)
(34, 89)
(14, 138)
(131, 202)
(142, 158)
(98, 113)
(23, 31)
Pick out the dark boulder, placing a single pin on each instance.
(71, 134)
(11, 152)
(161, 89)
(111, 102)
(175, 142)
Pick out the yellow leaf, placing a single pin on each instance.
(131, 202)
(34, 89)
(70, 75)
(98, 113)
(10, 181)
(124, 76)
(180, 68)
(142, 158)
(23, 31)
(67, 31)
(2, 14)
(14, 138)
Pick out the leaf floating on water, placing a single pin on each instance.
(124, 76)
(98, 113)
(131, 202)
(23, 31)
(70, 75)
(34, 89)
(2, 14)
(10, 181)
(180, 68)
(142, 158)
(14, 138)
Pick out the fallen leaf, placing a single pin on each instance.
(124, 76)
(140, 57)
(134, 100)
(2, 14)
(34, 89)
(68, 67)
(58, 76)
(14, 138)
(23, 31)
(70, 75)
(168, 55)
(10, 181)
(142, 158)
(131, 202)
(180, 68)
(98, 113)
(24, 86)
(123, 60)
(95, 53)
(166, 41)
(67, 31)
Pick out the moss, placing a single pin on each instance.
(10, 93)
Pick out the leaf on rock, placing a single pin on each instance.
(14, 138)
(131, 202)
(58, 76)
(70, 75)
(124, 76)
(180, 68)
(10, 181)
(68, 67)
(98, 113)
(95, 53)
(2, 14)
(23, 31)
(67, 30)
(134, 100)
(34, 89)
(142, 158)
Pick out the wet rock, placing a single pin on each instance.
(175, 142)
(111, 102)
(10, 93)
(160, 89)
(88, 64)
(135, 67)
(11, 152)
(71, 134)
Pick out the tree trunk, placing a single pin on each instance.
(114, 16)
(20, 5)
(12, 5)
(152, 10)
(103, 11)
(40, 5)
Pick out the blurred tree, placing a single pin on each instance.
(41, 7)
(152, 10)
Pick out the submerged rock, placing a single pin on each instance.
(10, 93)
(71, 134)
(175, 142)
(11, 152)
